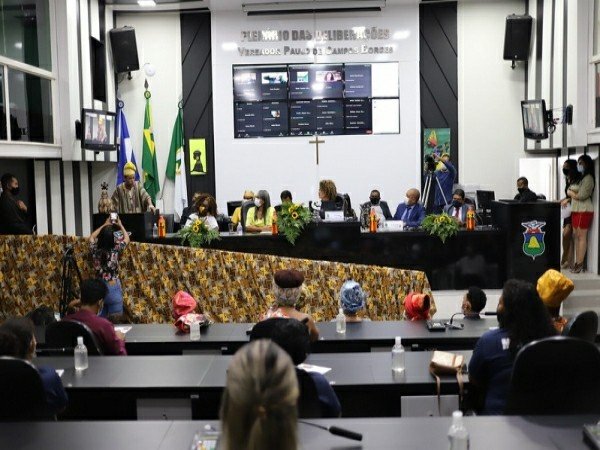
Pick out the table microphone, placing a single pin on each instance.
(458, 326)
(490, 313)
(336, 430)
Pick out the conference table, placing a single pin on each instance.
(422, 433)
(226, 338)
(116, 386)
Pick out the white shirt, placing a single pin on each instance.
(209, 221)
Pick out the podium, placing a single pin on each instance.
(140, 224)
(532, 237)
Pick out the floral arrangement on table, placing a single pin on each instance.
(198, 234)
(440, 225)
(292, 219)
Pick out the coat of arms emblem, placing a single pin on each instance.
(533, 238)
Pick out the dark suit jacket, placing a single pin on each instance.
(527, 196)
(384, 208)
(415, 217)
(463, 211)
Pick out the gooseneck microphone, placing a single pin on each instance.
(336, 430)
(457, 326)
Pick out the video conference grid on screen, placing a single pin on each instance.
(307, 99)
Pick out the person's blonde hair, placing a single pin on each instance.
(259, 404)
(329, 189)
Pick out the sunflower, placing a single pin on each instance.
(294, 215)
(196, 227)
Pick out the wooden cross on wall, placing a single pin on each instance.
(317, 141)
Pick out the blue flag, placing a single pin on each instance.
(125, 148)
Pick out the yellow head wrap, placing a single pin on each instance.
(129, 169)
(553, 288)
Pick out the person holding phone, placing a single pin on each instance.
(107, 243)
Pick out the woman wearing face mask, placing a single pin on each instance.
(572, 176)
(582, 208)
(13, 212)
(206, 210)
(260, 216)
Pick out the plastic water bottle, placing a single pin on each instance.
(195, 331)
(340, 322)
(81, 355)
(457, 433)
(155, 231)
(398, 356)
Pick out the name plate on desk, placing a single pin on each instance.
(393, 225)
(334, 216)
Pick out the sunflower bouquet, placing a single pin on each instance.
(292, 219)
(440, 225)
(198, 234)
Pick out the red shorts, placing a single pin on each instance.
(582, 219)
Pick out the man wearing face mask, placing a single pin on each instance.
(13, 212)
(411, 212)
(93, 292)
(381, 208)
(525, 194)
(457, 209)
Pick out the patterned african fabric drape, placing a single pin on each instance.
(231, 287)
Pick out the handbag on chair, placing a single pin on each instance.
(446, 363)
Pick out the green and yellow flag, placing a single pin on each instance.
(151, 183)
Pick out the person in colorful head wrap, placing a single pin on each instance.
(352, 301)
(553, 288)
(287, 287)
(130, 196)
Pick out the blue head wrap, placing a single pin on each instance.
(352, 297)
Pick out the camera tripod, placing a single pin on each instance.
(70, 269)
(429, 194)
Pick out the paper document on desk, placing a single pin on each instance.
(312, 368)
(59, 372)
(123, 329)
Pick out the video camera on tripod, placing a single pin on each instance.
(429, 163)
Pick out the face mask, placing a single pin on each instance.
(565, 171)
(258, 202)
(521, 190)
(580, 168)
(14, 191)
(456, 203)
(374, 200)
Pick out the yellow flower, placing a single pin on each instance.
(294, 215)
(196, 228)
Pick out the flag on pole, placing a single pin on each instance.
(176, 167)
(125, 148)
(151, 183)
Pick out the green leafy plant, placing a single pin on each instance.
(292, 219)
(440, 225)
(198, 234)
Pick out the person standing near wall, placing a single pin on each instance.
(582, 208)
(13, 212)
(572, 176)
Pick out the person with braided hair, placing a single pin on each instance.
(258, 407)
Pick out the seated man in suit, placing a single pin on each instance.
(382, 210)
(458, 209)
(411, 212)
(525, 194)
(93, 292)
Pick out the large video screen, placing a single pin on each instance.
(307, 99)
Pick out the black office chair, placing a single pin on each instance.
(309, 406)
(21, 392)
(555, 376)
(583, 326)
(245, 207)
(63, 335)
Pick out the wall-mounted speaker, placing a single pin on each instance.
(517, 38)
(124, 49)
